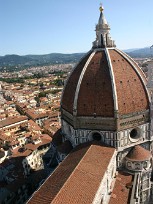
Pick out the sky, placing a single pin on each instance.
(67, 26)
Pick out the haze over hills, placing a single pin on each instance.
(9, 61)
(53, 58)
(140, 53)
(131, 50)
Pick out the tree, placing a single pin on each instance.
(42, 94)
(37, 99)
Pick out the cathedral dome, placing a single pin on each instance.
(138, 153)
(105, 88)
(137, 159)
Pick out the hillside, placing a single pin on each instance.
(16, 62)
(141, 53)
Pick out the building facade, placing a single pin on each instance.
(105, 100)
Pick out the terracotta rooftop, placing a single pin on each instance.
(36, 115)
(12, 120)
(122, 189)
(33, 126)
(77, 178)
(20, 152)
(45, 136)
(32, 147)
(14, 142)
(43, 140)
(51, 127)
(138, 153)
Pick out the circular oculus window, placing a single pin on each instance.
(135, 134)
(96, 136)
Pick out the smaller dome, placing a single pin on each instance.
(138, 153)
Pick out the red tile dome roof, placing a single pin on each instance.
(106, 90)
(106, 82)
(138, 153)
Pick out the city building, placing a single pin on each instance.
(105, 117)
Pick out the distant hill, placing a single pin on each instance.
(13, 60)
(9, 62)
(55, 58)
(141, 53)
(16, 62)
(130, 50)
